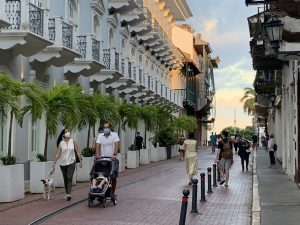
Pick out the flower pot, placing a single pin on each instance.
(58, 177)
(83, 173)
(133, 159)
(12, 183)
(121, 158)
(38, 171)
(145, 156)
(154, 155)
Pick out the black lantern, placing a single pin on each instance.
(274, 30)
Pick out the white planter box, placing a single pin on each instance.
(121, 158)
(162, 152)
(38, 171)
(174, 150)
(83, 173)
(133, 159)
(145, 156)
(58, 177)
(12, 183)
(154, 155)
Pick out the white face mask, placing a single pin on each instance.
(67, 135)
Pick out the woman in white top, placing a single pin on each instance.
(66, 150)
(271, 151)
(190, 156)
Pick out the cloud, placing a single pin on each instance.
(234, 75)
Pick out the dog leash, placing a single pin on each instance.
(51, 172)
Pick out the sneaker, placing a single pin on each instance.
(69, 198)
(222, 182)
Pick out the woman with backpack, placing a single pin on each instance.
(224, 157)
(271, 150)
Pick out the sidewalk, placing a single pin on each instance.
(149, 195)
(279, 196)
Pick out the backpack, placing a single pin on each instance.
(275, 147)
(227, 153)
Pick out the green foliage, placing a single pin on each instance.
(187, 123)
(41, 157)
(132, 148)
(87, 152)
(166, 136)
(8, 160)
(247, 132)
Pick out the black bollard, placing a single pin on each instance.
(184, 203)
(209, 190)
(202, 179)
(215, 175)
(194, 196)
(219, 174)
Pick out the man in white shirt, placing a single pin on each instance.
(107, 145)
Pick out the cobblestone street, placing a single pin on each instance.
(148, 195)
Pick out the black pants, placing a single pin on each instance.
(244, 158)
(68, 172)
(272, 157)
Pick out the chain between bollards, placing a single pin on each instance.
(202, 179)
(184, 203)
(215, 175)
(194, 196)
(209, 189)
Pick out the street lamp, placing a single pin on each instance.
(274, 31)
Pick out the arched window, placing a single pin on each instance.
(96, 27)
(73, 11)
(111, 38)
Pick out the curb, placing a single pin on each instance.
(256, 209)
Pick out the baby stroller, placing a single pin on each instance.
(110, 170)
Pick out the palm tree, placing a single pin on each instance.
(10, 91)
(132, 118)
(249, 100)
(181, 123)
(88, 114)
(61, 108)
(147, 115)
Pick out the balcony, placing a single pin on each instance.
(63, 50)
(89, 61)
(188, 97)
(3, 20)
(123, 6)
(27, 33)
(112, 70)
(142, 27)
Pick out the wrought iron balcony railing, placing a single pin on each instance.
(188, 96)
(63, 34)
(81, 46)
(134, 73)
(122, 66)
(35, 15)
(140, 76)
(117, 61)
(96, 49)
(106, 58)
(129, 69)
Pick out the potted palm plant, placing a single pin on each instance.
(11, 174)
(147, 115)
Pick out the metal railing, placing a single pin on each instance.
(81, 46)
(106, 58)
(134, 73)
(67, 35)
(122, 66)
(51, 29)
(96, 49)
(188, 96)
(140, 76)
(129, 70)
(13, 14)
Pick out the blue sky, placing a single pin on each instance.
(223, 23)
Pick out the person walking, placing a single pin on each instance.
(107, 145)
(139, 141)
(190, 158)
(213, 142)
(254, 141)
(244, 152)
(224, 158)
(66, 150)
(271, 151)
(236, 143)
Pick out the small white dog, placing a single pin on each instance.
(49, 187)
